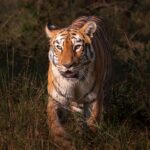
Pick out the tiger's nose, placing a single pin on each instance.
(68, 65)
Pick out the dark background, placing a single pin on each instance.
(24, 64)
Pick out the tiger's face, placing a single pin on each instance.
(71, 51)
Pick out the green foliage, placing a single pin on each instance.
(23, 71)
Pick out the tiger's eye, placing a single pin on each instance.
(59, 47)
(77, 47)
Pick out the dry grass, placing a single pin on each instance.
(23, 75)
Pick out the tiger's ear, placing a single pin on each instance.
(89, 28)
(50, 30)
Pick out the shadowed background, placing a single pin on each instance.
(24, 63)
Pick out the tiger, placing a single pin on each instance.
(80, 67)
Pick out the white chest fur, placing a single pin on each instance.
(67, 90)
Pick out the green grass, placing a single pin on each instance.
(23, 75)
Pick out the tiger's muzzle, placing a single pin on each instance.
(69, 74)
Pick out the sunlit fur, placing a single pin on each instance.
(84, 47)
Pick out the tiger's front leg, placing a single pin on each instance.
(57, 131)
(93, 113)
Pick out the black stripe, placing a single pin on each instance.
(73, 34)
(88, 48)
(91, 53)
(57, 90)
(84, 56)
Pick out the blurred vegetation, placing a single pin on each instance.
(24, 63)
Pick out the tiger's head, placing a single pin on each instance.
(71, 50)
